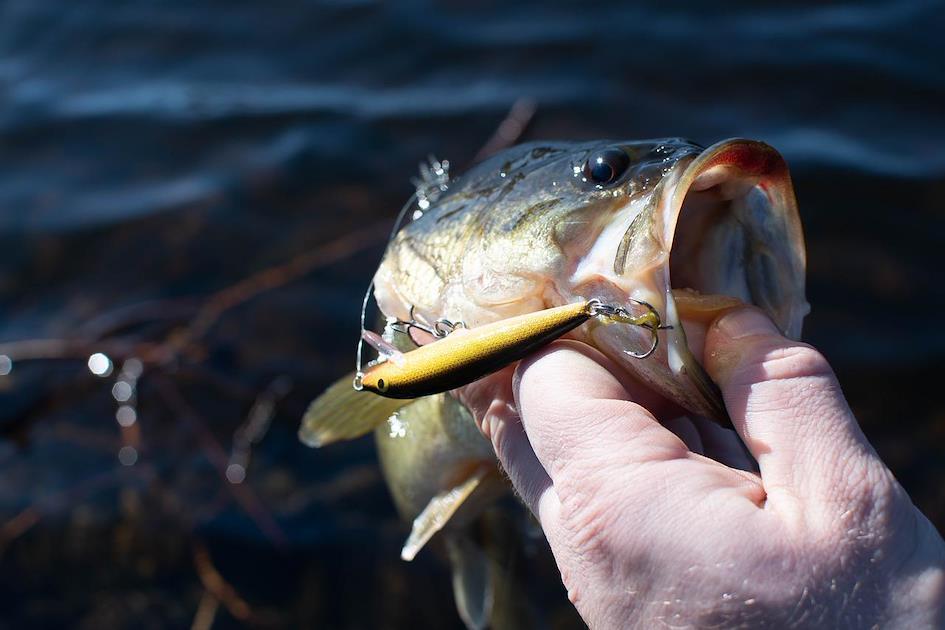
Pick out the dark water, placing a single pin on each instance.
(152, 154)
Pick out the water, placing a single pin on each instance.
(154, 153)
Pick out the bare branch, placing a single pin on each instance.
(509, 130)
(218, 587)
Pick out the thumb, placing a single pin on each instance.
(787, 406)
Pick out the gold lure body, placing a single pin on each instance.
(459, 358)
(467, 355)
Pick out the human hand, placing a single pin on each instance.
(672, 523)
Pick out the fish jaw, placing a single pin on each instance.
(720, 230)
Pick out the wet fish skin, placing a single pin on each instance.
(429, 445)
(525, 231)
(511, 224)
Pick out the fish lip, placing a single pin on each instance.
(738, 163)
(737, 166)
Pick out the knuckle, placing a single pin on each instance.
(499, 424)
(573, 586)
(794, 361)
(494, 430)
(588, 516)
(865, 508)
(794, 377)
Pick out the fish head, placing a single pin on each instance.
(718, 228)
(687, 230)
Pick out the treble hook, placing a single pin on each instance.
(656, 342)
(440, 328)
(649, 320)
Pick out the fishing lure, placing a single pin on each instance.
(461, 356)
(458, 357)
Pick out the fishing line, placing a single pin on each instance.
(398, 223)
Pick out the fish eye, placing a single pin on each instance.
(605, 167)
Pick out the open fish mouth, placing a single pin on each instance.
(733, 231)
(723, 229)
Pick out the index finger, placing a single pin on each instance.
(579, 416)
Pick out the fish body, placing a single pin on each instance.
(432, 446)
(686, 230)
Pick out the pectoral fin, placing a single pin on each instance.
(343, 413)
(439, 510)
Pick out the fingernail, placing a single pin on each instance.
(746, 322)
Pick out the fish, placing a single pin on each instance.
(689, 231)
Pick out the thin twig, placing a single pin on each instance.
(32, 349)
(277, 276)
(218, 587)
(168, 350)
(206, 612)
(509, 130)
(146, 312)
(255, 427)
(27, 518)
(245, 497)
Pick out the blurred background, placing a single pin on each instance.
(194, 195)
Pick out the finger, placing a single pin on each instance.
(576, 413)
(787, 406)
(491, 403)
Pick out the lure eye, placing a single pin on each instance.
(381, 385)
(605, 167)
